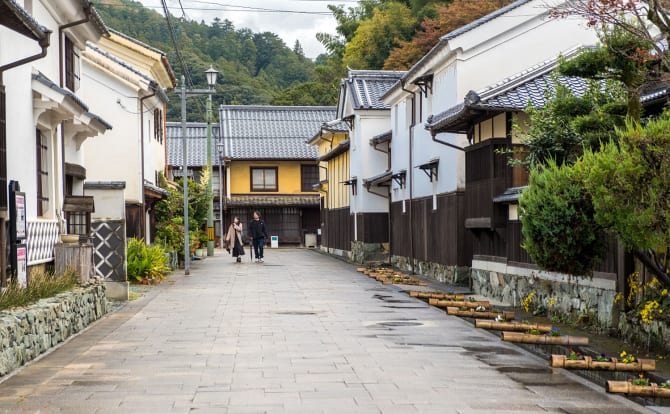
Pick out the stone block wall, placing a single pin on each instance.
(449, 274)
(25, 333)
(592, 297)
(369, 252)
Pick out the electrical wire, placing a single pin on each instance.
(180, 57)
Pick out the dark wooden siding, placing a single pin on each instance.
(437, 236)
(516, 253)
(372, 227)
(337, 228)
(487, 175)
(134, 221)
(289, 224)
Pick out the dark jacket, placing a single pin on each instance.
(257, 229)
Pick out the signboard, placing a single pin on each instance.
(20, 219)
(22, 265)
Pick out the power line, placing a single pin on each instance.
(222, 8)
(180, 57)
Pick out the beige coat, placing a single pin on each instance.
(235, 230)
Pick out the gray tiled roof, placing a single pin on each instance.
(152, 83)
(41, 78)
(515, 93)
(196, 143)
(368, 86)
(293, 200)
(484, 19)
(26, 24)
(271, 132)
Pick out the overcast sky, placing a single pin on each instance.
(290, 19)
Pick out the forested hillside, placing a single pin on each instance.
(259, 68)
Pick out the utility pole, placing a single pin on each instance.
(184, 170)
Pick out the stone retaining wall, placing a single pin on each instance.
(25, 333)
(449, 274)
(586, 297)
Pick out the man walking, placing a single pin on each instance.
(257, 233)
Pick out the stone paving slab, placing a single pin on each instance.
(302, 333)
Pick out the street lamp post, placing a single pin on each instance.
(211, 81)
(211, 74)
(219, 149)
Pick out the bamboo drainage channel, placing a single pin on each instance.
(512, 326)
(562, 361)
(526, 338)
(626, 387)
(470, 304)
(436, 295)
(477, 314)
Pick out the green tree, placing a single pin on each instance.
(375, 37)
(630, 187)
(557, 213)
(567, 124)
(447, 17)
(622, 57)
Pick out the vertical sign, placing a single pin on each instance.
(20, 202)
(22, 265)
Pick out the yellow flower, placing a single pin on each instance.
(664, 292)
(622, 354)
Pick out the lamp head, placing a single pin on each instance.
(211, 75)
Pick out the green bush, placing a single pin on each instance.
(40, 286)
(146, 262)
(559, 231)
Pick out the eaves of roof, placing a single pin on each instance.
(378, 179)
(381, 138)
(17, 18)
(341, 148)
(511, 94)
(163, 55)
(444, 40)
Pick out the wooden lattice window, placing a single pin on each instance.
(72, 76)
(309, 176)
(78, 211)
(42, 153)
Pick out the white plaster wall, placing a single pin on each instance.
(367, 162)
(154, 150)
(21, 142)
(481, 57)
(109, 204)
(540, 39)
(115, 155)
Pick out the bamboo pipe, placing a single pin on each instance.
(459, 303)
(562, 361)
(436, 295)
(512, 326)
(525, 338)
(626, 387)
(475, 314)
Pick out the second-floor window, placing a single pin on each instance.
(264, 179)
(43, 190)
(158, 125)
(309, 176)
(72, 75)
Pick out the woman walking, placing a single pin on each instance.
(258, 234)
(234, 239)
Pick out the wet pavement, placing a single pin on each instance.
(301, 333)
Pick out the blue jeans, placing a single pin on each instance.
(259, 244)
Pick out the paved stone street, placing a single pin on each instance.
(302, 333)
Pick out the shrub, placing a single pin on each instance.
(40, 286)
(146, 262)
(559, 231)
